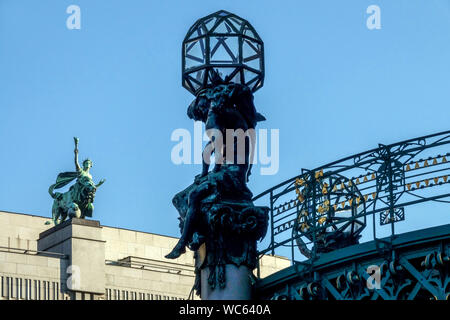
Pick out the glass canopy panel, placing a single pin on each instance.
(236, 22)
(224, 50)
(253, 62)
(250, 49)
(225, 72)
(194, 52)
(224, 27)
(250, 76)
(195, 83)
(198, 75)
(198, 30)
(223, 13)
(249, 32)
(210, 22)
(188, 85)
(251, 52)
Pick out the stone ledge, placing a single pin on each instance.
(82, 222)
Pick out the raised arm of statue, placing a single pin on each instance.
(100, 183)
(77, 165)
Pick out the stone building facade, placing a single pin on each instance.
(82, 260)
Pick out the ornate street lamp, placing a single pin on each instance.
(223, 64)
(224, 42)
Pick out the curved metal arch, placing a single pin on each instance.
(391, 177)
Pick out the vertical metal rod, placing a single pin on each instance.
(258, 269)
(292, 251)
(391, 192)
(272, 236)
(314, 226)
(374, 228)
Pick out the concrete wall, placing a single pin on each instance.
(21, 230)
(272, 264)
(158, 285)
(168, 279)
(122, 243)
(31, 277)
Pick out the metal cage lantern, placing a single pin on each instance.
(227, 44)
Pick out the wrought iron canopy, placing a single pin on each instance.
(224, 42)
(327, 208)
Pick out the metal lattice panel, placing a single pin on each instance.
(414, 267)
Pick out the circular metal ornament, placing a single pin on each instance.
(330, 211)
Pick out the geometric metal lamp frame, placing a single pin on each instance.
(226, 43)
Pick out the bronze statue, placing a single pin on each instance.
(217, 209)
(78, 201)
(224, 106)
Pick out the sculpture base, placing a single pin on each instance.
(82, 242)
(238, 285)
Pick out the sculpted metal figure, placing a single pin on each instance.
(222, 66)
(78, 201)
(217, 209)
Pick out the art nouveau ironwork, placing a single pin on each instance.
(327, 208)
(222, 66)
(414, 266)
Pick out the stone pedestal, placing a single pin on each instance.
(238, 284)
(81, 240)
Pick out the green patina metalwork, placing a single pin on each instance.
(413, 266)
(78, 201)
(323, 211)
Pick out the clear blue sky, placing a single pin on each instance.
(332, 87)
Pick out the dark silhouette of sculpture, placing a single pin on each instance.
(217, 208)
(222, 65)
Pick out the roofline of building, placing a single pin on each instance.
(157, 234)
(49, 218)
